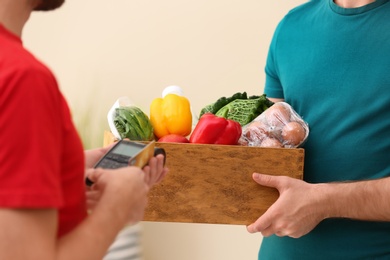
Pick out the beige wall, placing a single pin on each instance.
(101, 50)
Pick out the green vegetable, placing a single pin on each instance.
(239, 107)
(133, 123)
(221, 102)
(244, 110)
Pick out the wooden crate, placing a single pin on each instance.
(213, 183)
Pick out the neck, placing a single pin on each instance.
(15, 13)
(353, 3)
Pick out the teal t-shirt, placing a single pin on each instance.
(333, 66)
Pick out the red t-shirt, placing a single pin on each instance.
(41, 154)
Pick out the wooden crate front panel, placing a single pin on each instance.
(213, 183)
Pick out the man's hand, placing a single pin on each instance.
(133, 189)
(122, 192)
(92, 156)
(155, 171)
(297, 211)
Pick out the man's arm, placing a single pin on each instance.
(301, 206)
(31, 234)
(27, 233)
(363, 200)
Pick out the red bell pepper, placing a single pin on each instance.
(212, 129)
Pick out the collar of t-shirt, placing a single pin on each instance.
(358, 10)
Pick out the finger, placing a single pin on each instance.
(266, 180)
(91, 204)
(160, 162)
(261, 224)
(269, 231)
(87, 186)
(93, 174)
(88, 181)
(146, 170)
(157, 168)
(162, 175)
(162, 169)
(154, 170)
(93, 195)
(92, 199)
(280, 234)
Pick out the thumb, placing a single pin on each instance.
(266, 180)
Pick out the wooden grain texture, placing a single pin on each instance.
(213, 183)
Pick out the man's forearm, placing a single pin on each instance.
(363, 200)
(93, 236)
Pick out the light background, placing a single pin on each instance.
(101, 50)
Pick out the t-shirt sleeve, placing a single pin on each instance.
(273, 87)
(30, 140)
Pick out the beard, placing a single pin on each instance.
(48, 5)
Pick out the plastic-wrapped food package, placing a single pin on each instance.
(126, 120)
(279, 126)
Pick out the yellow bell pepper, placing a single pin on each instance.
(171, 115)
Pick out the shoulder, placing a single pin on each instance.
(301, 15)
(304, 10)
(16, 60)
(305, 7)
(23, 70)
(28, 81)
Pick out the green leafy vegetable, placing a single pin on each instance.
(239, 107)
(221, 102)
(133, 123)
(243, 110)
